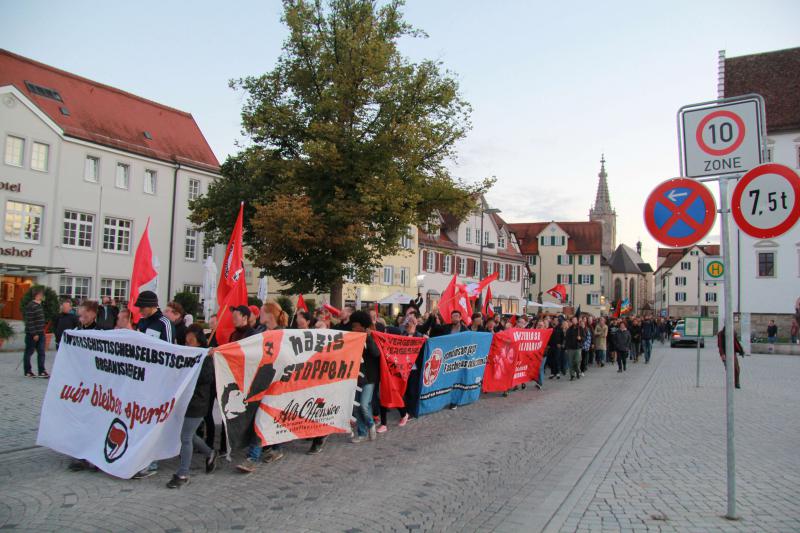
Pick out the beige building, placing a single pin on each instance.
(678, 273)
(84, 166)
(566, 253)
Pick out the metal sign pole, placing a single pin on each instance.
(699, 320)
(730, 347)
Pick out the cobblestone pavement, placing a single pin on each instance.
(633, 451)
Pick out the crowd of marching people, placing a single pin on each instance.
(576, 344)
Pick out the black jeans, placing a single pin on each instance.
(30, 346)
(622, 359)
(385, 412)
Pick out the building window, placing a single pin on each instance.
(686, 265)
(501, 241)
(405, 276)
(15, 151)
(564, 259)
(406, 241)
(447, 263)
(766, 264)
(680, 281)
(190, 247)
(461, 263)
(585, 279)
(680, 296)
(586, 259)
(593, 298)
(489, 268)
(114, 288)
(388, 275)
(532, 260)
(116, 235)
(208, 251)
(564, 278)
(515, 273)
(711, 297)
(502, 271)
(91, 170)
(194, 189)
(430, 262)
(194, 289)
(23, 222)
(40, 157)
(74, 287)
(150, 181)
(486, 238)
(78, 230)
(469, 235)
(123, 178)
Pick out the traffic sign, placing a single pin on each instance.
(713, 269)
(679, 212)
(722, 139)
(766, 201)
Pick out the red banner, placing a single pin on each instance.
(398, 353)
(515, 358)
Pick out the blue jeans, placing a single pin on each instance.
(255, 448)
(364, 419)
(30, 346)
(599, 356)
(772, 340)
(190, 441)
(647, 344)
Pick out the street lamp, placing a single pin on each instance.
(491, 211)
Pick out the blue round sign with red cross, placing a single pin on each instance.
(680, 212)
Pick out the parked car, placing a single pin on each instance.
(679, 338)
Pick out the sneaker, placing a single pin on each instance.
(523, 386)
(141, 474)
(738, 386)
(382, 429)
(453, 407)
(358, 439)
(619, 371)
(403, 421)
(273, 455)
(558, 376)
(373, 432)
(177, 482)
(211, 462)
(43, 374)
(30, 375)
(551, 376)
(317, 446)
(572, 378)
(582, 374)
(505, 394)
(78, 465)
(247, 466)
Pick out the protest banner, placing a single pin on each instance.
(515, 358)
(398, 354)
(288, 384)
(452, 370)
(118, 398)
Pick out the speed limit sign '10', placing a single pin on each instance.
(723, 139)
(766, 201)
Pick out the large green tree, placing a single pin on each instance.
(348, 146)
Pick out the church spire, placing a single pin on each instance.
(602, 202)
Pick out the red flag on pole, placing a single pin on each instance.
(455, 298)
(145, 271)
(488, 311)
(232, 287)
(332, 310)
(474, 289)
(559, 291)
(301, 303)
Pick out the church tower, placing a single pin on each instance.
(603, 212)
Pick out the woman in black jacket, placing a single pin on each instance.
(197, 409)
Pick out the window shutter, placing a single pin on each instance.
(588, 299)
(571, 258)
(508, 271)
(484, 267)
(558, 259)
(591, 259)
(591, 279)
(438, 262)
(563, 240)
(471, 266)
(558, 278)
(424, 260)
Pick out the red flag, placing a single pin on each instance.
(145, 271)
(377, 309)
(559, 291)
(301, 303)
(398, 353)
(232, 287)
(487, 305)
(332, 310)
(474, 289)
(513, 321)
(455, 298)
(617, 310)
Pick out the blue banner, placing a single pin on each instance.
(452, 370)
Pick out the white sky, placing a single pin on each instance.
(553, 85)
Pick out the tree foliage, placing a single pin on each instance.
(189, 301)
(349, 141)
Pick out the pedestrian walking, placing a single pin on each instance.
(649, 332)
(573, 343)
(737, 350)
(34, 335)
(622, 343)
(600, 345)
(772, 334)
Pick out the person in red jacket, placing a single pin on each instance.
(737, 350)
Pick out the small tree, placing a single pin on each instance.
(50, 303)
(189, 301)
(286, 304)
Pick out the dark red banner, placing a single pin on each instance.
(515, 358)
(398, 353)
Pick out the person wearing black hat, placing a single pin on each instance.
(240, 316)
(153, 322)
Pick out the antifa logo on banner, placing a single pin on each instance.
(432, 367)
(116, 443)
(504, 361)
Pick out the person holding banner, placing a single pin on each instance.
(409, 330)
(153, 322)
(368, 377)
(195, 412)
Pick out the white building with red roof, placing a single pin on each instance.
(84, 166)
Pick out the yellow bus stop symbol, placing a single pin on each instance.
(715, 269)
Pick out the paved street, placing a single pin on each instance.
(638, 451)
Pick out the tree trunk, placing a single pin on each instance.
(337, 294)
